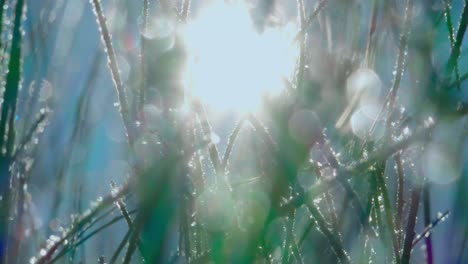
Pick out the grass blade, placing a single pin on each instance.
(399, 199)
(82, 221)
(332, 239)
(231, 141)
(388, 210)
(115, 73)
(400, 62)
(448, 18)
(8, 114)
(456, 50)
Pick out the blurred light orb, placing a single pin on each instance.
(118, 170)
(151, 117)
(159, 33)
(440, 165)
(362, 120)
(442, 160)
(275, 234)
(124, 68)
(147, 151)
(328, 173)
(363, 84)
(215, 209)
(214, 138)
(253, 208)
(230, 65)
(47, 91)
(304, 127)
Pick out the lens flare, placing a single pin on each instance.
(230, 65)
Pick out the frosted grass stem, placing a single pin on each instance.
(115, 73)
(400, 62)
(400, 197)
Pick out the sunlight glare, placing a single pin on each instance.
(230, 65)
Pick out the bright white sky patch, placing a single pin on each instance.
(230, 65)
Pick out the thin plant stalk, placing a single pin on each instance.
(430, 227)
(206, 129)
(400, 197)
(294, 245)
(2, 13)
(350, 192)
(409, 232)
(376, 205)
(400, 62)
(464, 77)
(185, 10)
(141, 95)
(115, 73)
(357, 169)
(134, 238)
(463, 246)
(303, 43)
(320, 6)
(390, 100)
(120, 246)
(370, 36)
(388, 212)
(82, 221)
(332, 239)
(123, 209)
(91, 234)
(231, 141)
(306, 233)
(427, 222)
(79, 120)
(287, 242)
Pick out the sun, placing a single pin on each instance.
(230, 65)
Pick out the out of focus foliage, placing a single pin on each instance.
(264, 131)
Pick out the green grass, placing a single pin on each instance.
(364, 199)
